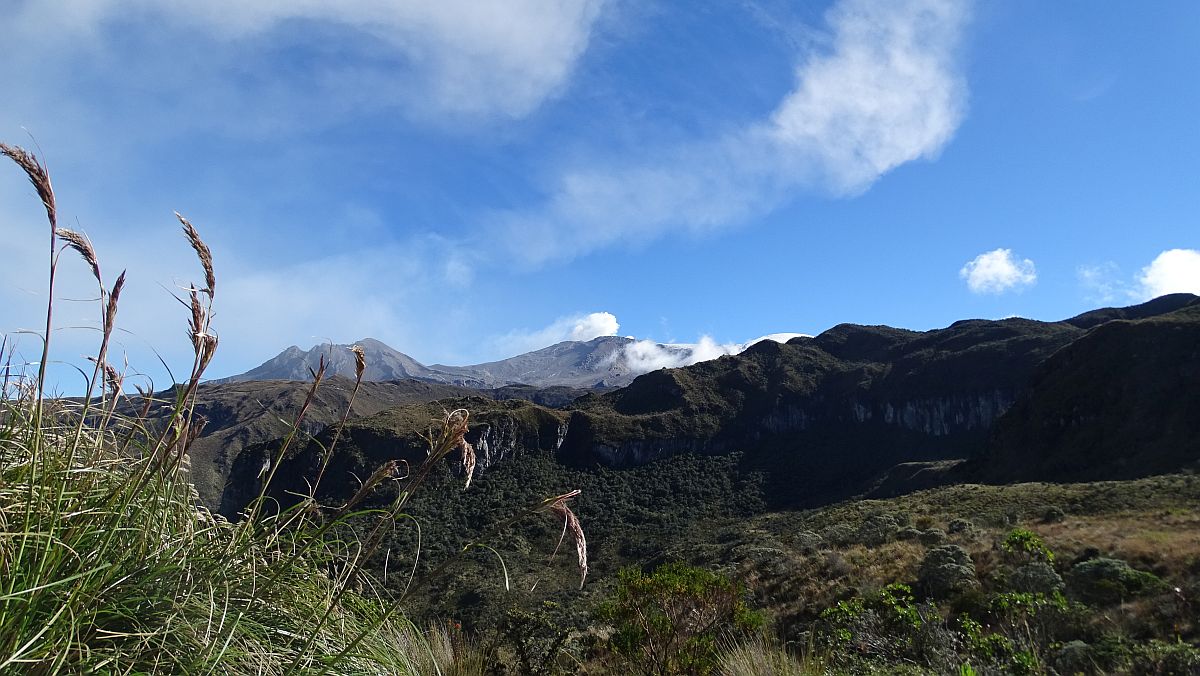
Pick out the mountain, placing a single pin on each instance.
(383, 363)
(1107, 394)
(1123, 401)
(607, 361)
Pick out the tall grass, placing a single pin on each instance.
(110, 564)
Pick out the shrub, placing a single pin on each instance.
(838, 535)
(1105, 581)
(808, 541)
(669, 622)
(1035, 577)
(876, 530)
(1160, 657)
(932, 537)
(908, 533)
(1075, 657)
(947, 571)
(1026, 545)
(1053, 514)
(887, 625)
(960, 526)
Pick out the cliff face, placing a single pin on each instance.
(835, 409)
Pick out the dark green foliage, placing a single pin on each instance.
(947, 571)
(1105, 581)
(960, 525)
(535, 639)
(887, 626)
(670, 622)
(1027, 545)
(932, 537)
(1053, 514)
(877, 530)
(1036, 577)
(1160, 658)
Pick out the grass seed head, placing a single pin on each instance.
(360, 361)
(202, 252)
(38, 176)
(80, 243)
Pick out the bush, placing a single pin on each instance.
(1105, 581)
(876, 530)
(670, 622)
(1035, 577)
(1024, 544)
(947, 571)
(808, 541)
(1075, 657)
(932, 537)
(1053, 514)
(960, 526)
(1161, 658)
(888, 626)
(908, 533)
(838, 535)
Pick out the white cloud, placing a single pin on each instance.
(470, 57)
(644, 356)
(998, 271)
(1172, 271)
(579, 327)
(594, 325)
(888, 91)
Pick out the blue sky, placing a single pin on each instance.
(468, 180)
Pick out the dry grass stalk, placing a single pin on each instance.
(80, 243)
(196, 324)
(558, 505)
(389, 470)
(38, 176)
(110, 309)
(202, 252)
(360, 361)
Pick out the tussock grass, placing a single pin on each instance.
(110, 564)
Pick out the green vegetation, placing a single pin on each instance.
(109, 562)
(670, 621)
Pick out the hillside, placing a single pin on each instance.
(241, 414)
(1121, 402)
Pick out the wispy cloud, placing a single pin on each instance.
(429, 57)
(1101, 282)
(998, 271)
(1172, 271)
(887, 91)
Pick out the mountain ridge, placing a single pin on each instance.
(826, 418)
(604, 361)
